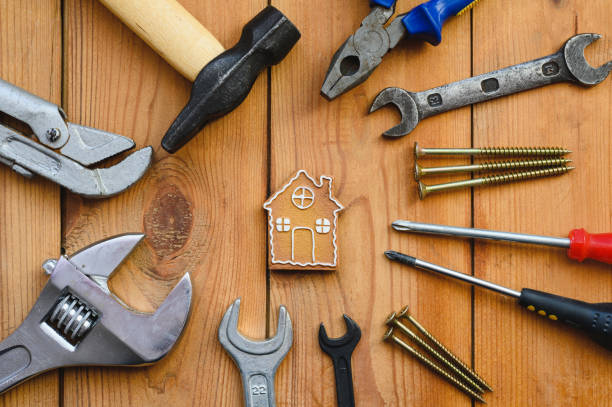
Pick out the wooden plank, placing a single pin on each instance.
(373, 180)
(200, 208)
(30, 57)
(532, 361)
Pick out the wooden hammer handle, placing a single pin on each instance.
(171, 31)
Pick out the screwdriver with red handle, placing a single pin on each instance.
(580, 244)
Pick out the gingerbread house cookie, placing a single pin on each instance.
(302, 222)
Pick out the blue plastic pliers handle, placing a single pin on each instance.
(425, 20)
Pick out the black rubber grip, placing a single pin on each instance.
(226, 80)
(594, 319)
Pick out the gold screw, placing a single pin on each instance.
(389, 336)
(404, 313)
(420, 171)
(425, 190)
(493, 151)
(392, 321)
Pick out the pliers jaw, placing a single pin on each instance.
(362, 52)
(65, 149)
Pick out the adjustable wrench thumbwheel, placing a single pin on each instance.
(256, 360)
(567, 65)
(340, 351)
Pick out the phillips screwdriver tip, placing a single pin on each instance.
(399, 257)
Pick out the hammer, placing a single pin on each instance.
(221, 79)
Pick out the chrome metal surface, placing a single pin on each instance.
(75, 322)
(429, 228)
(256, 360)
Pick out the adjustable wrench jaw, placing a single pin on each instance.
(75, 322)
(256, 360)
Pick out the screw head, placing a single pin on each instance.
(390, 319)
(53, 134)
(404, 312)
(388, 334)
(423, 191)
(418, 171)
(417, 150)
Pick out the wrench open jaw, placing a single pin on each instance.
(567, 65)
(77, 322)
(65, 150)
(256, 360)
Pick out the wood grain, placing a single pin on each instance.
(200, 208)
(373, 180)
(529, 360)
(30, 57)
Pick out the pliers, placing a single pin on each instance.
(362, 52)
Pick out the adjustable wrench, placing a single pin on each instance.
(256, 360)
(77, 321)
(340, 351)
(567, 65)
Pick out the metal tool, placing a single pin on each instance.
(77, 321)
(340, 351)
(79, 147)
(420, 171)
(569, 64)
(405, 314)
(362, 52)
(580, 244)
(392, 321)
(221, 78)
(425, 190)
(492, 151)
(256, 360)
(389, 336)
(594, 319)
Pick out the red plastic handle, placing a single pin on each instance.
(584, 245)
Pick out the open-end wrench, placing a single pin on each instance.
(256, 360)
(567, 65)
(340, 351)
(77, 321)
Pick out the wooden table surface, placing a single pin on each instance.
(202, 207)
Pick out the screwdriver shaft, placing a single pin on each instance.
(407, 226)
(411, 261)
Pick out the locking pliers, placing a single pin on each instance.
(77, 321)
(362, 52)
(79, 147)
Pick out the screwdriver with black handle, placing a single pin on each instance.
(594, 319)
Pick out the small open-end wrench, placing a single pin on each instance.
(567, 65)
(256, 360)
(340, 351)
(77, 321)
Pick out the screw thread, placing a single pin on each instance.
(404, 314)
(435, 368)
(518, 176)
(435, 354)
(523, 151)
(508, 165)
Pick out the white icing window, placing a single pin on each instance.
(303, 197)
(323, 225)
(283, 224)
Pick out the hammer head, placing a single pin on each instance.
(226, 80)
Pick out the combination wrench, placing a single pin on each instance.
(567, 65)
(256, 360)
